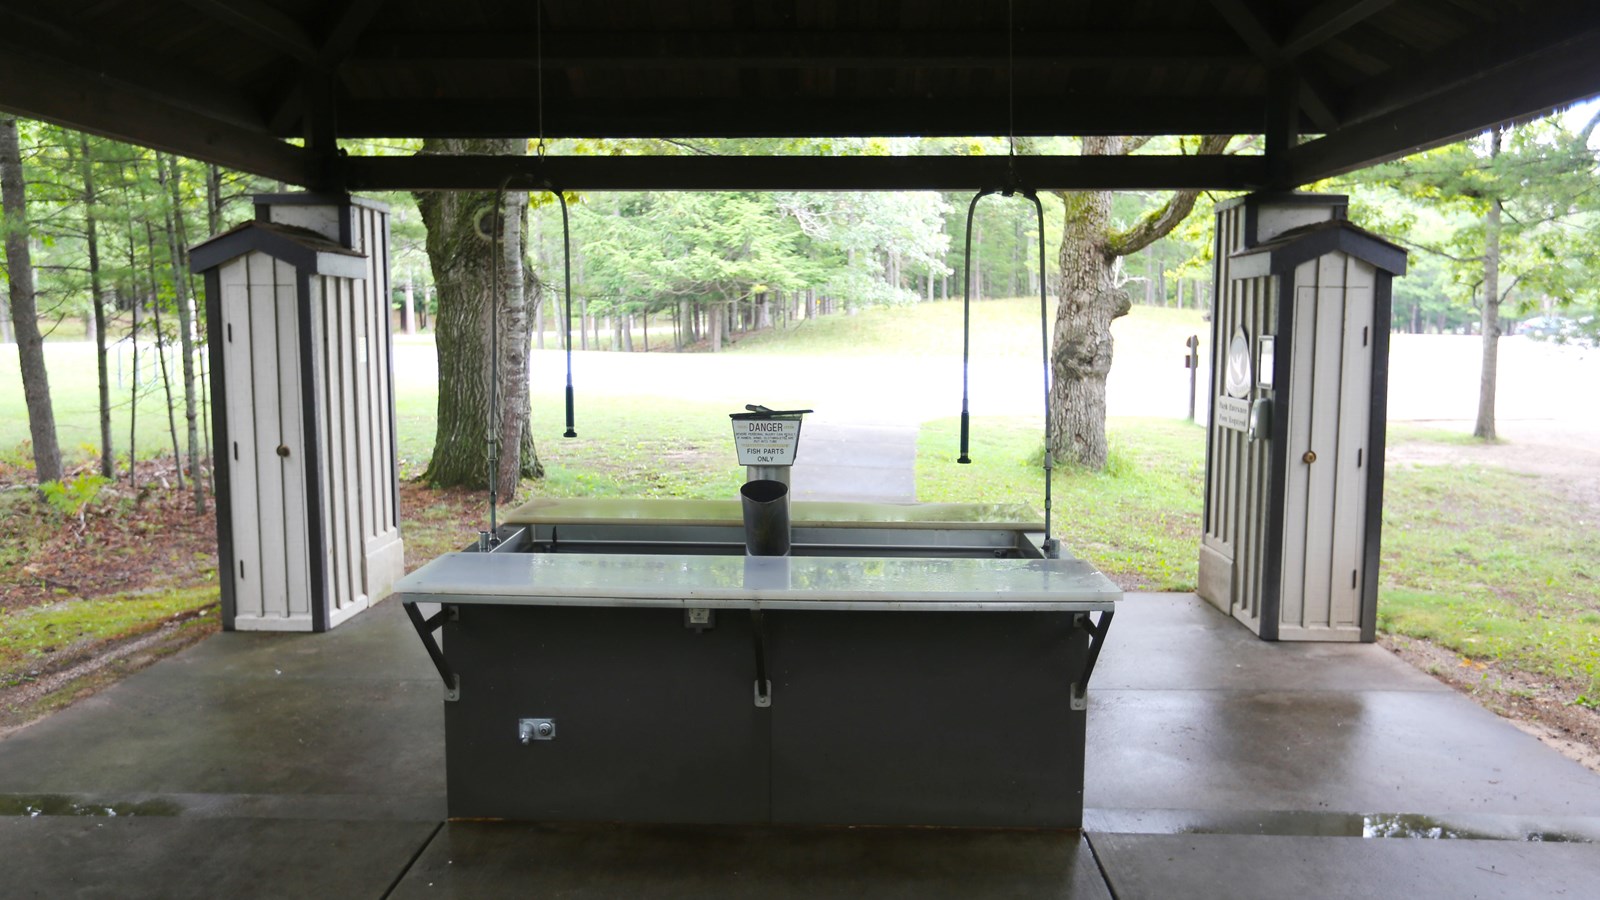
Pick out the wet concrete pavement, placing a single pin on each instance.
(1218, 766)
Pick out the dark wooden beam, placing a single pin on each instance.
(289, 115)
(1327, 21)
(1315, 108)
(797, 173)
(1255, 34)
(1494, 53)
(74, 99)
(798, 49)
(1546, 81)
(755, 116)
(54, 46)
(263, 23)
(1281, 130)
(347, 30)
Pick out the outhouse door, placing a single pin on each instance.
(1330, 409)
(260, 334)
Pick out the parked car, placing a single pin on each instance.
(1584, 331)
(1545, 326)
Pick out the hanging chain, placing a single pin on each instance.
(1011, 90)
(538, 41)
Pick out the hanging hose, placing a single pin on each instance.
(488, 539)
(1051, 548)
(966, 327)
(566, 271)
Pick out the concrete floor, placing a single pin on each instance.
(1219, 766)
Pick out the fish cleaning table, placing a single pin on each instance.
(874, 683)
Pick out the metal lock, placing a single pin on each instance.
(529, 730)
(1309, 457)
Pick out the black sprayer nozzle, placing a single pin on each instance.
(571, 431)
(965, 422)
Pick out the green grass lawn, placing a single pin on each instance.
(29, 635)
(1000, 328)
(74, 396)
(1138, 521)
(1494, 565)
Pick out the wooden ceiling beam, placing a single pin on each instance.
(289, 112)
(1544, 82)
(772, 117)
(76, 99)
(1327, 21)
(1497, 54)
(347, 30)
(52, 46)
(263, 23)
(796, 173)
(791, 50)
(1248, 25)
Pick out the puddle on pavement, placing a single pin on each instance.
(1394, 825)
(35, 805)
(1375, 825)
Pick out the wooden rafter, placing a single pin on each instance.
(78, 99)
(748, 117)
(264, 23)
(774, 173)
(1327, 21)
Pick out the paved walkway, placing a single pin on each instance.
(1219, 766)
(875, 463)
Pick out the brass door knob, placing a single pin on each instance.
(283, 451)
(1309, 457)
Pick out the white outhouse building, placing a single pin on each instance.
(297, 306)
(1294, 448)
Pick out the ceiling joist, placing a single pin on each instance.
(76, 99)
(791, 49)
(740, 117)
(263, 23)
(801, 173)
(1544, 83)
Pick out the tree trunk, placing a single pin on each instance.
(167, 172)
(24, 313)
(133, 390)
(1080, 355)
(409, 311)
(92, 239)
(161, 346)
(718, 315)
(463, 243)
(1081, 349)
(1490, 321)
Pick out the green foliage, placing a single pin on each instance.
(72, 496)
(1542, 174)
